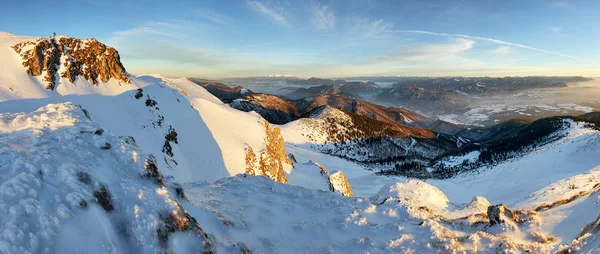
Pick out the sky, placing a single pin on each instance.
(334, 38)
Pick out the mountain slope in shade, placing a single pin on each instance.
(594, 116)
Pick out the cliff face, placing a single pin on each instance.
(269, 162)
(87, 58)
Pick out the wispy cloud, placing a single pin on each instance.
(367, 28)
(271, 13)
(428, 52)
(212, 16)
(491, 40)
(174, 29)
(323, 18)
(502, 50)
(555, 29)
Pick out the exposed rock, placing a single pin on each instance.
(129, 140)
(150, 102)
(269, 162)
(275, 156)
(139, 93)
(106, 146)
(171, 136)
(340, 183)
(337, 181)
(152, 171)
(293, 158)
(498, 213)
(87, 58)
(250, 160)
(103, 198)
(180, 220)
(84, 177)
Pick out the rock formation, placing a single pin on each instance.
(337, 181)
(87, 58)
(270, 162)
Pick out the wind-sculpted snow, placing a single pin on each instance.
(61, 192)
(274, 218)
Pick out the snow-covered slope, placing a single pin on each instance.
(60, 171)
(210, 136)
(71, 184)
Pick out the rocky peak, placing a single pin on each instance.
(87, 58)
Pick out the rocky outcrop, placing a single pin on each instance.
(87, 58)
(269, 162)
(498, 214)
(337, 181)
(340, 183)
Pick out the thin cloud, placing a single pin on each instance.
(212, 16)
(176, 29)
(323, 18)
(428, 52)
(502, 50)
(369, 29)
(555, 29)
(491, 40)
(270, 13)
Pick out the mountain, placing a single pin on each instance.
(98, 164)
(375, 144)
(317, 87)
(592, 116)
(223, 92)
(357, 86)
(426, 99)
(279, 110)
(69, 185)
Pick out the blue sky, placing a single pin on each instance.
(328, 38)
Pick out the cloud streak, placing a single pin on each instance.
(323, 18)
(369, 29)
(491, 40)
(270, 13)
(212, 16)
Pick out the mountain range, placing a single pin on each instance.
(95, 159)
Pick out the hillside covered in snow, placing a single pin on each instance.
(94, 159)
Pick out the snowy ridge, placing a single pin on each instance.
(159, 168)
(60, 171)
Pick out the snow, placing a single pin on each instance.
(457, 160)
(46, 141)
(46, 205)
